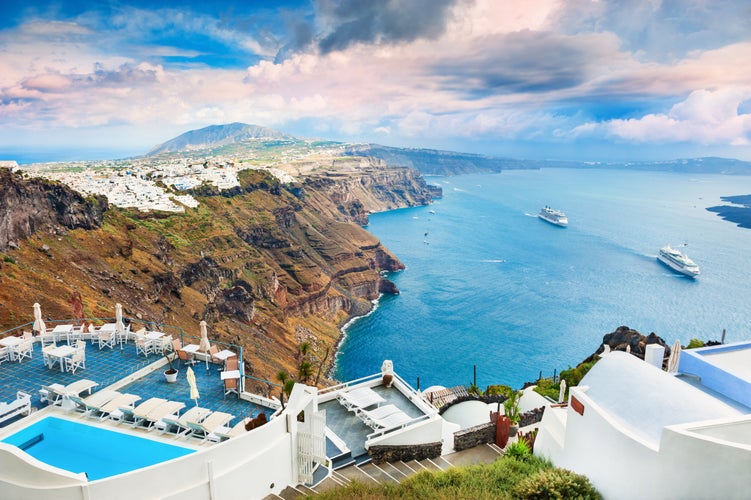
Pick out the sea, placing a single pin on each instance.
(491, 294)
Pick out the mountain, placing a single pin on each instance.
(218, 135)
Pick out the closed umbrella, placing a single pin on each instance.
(674, 358)
(562, 392)
(39, 325)
(205, 345)
(193, 387)
(119, 329)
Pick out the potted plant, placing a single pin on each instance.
(171, 373)
(511, 409)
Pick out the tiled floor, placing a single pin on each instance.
(107, 367)
(350, 428)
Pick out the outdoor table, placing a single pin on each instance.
(192, 348)
(223, 355)
(154, 335)
(230, 374)
(59, 354)
(11, 342)
(62, 331)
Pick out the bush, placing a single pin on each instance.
(695, 343)
(519, 450)
(555, 484)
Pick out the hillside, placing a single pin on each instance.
(267, 266)
(217, 136)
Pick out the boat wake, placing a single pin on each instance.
(493, 261)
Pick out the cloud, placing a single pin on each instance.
(705, 117)
(387, 22)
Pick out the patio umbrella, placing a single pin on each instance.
(39, 325)
(205, 345)
(674, 358)
(193, 387)
(119, 329)
(562, 392)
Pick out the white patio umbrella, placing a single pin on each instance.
(205, 345)
(562, 392)
(39, 325)
(674, 358)
(119, 329)
(193, 387)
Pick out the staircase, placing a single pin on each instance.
(393, 473)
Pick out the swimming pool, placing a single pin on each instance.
(98, 452)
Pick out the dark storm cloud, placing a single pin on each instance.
(526, 61)
(390, 21)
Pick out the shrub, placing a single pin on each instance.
(519, 450)
(695, 343)
(555, 484)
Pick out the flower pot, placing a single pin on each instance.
(170, 375)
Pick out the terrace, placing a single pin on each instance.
(287, 442)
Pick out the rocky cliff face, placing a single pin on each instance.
(267, 266)
(28, 207)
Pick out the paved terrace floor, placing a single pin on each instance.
(107, 367)
(351, 429)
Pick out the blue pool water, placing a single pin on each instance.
(100, 453)
(489, 284)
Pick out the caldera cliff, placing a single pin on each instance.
(268, 266)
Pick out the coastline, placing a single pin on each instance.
(343, 335)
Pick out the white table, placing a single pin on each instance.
(230, 374)
(223, 355)
(11, 342)
(59, 354)
(192, 348)
(61, 331)
(154, 335)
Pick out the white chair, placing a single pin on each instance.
(46, 354)
(4, 354)
(46, 338)
(24, 350)
(124, 336)
(78, 360)
(107, 339)
(144, 345)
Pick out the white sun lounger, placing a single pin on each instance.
(134, 416)
(19, 406)
(359, 399)
(176, 424)
(201, 430)
(370, 416)
(54, 393)
(85, 405)
(223, 433)
(121, 400)
(164, 409)
(394, 420)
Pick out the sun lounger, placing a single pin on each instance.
(201, 430)
(54, 393)
(359, 399)
(176, 424)
(134, 416)
(121, 400)
(20, 406)
(223, 433)
(394, 420)
(370, 416)
(161, 411)
(84, 405)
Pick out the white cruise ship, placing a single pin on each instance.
(678, 261)
(553, 216)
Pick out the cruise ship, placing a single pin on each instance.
(678, 261)
(553, 216)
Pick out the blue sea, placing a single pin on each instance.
(491, 286)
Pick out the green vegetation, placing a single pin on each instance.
(506, 478)
(547, 387)
(695, 343)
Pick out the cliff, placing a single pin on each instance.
(267, 266)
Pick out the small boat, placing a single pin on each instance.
(553, 216)
(431, 211)
(678, 261)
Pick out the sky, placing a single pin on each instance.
(590, 80)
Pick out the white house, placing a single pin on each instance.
(638, 432)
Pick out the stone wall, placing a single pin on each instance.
(404, 453)
(474, 436)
